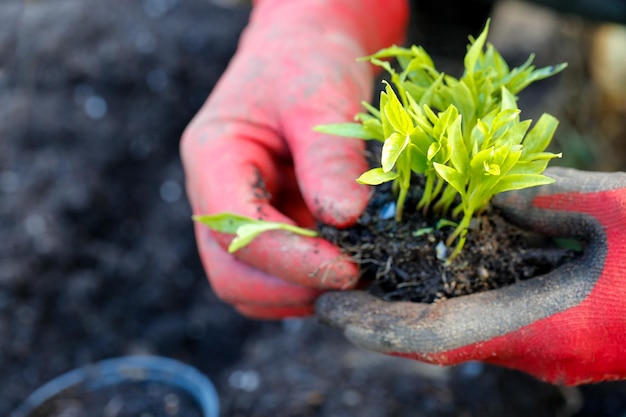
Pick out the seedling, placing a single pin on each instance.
(463, 135)
(246, 228)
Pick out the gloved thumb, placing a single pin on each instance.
(566, 208)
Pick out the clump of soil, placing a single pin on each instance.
(401, 258)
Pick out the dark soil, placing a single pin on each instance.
(401, 259)
(97, 254)
(129, 399)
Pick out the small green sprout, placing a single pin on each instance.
(463, 135)
(245, 228)
(423, 231)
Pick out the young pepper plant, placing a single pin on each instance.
(463, 135)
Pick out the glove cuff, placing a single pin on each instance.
(376, 24)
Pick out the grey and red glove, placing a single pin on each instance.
(251, 149)
(566, 327)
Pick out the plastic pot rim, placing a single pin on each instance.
(133, 368)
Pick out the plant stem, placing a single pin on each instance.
(400, 202)
(461, 233)
(428, 192)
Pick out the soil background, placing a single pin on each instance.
(97, 255)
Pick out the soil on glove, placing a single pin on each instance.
(406, 260)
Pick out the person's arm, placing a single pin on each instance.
(251, 149)
(566, 327)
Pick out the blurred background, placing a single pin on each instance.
(97, 254)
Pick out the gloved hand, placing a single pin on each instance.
(251, 149)
(566, 327)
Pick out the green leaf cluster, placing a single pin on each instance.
(464, 135)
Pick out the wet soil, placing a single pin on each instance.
(97, 254)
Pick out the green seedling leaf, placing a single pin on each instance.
(418, 114)
(541, 74)
(504, 119)
(480, 159)
(514, 134)
(520, 181)
(247, 232)
(460, 96)
(394, 112)
(493, 59)
(451, 176)
(223, 222)
(395, 77)
(373, 110)
(431, 115)
(531, 167)
(246, 228)
(418, 160)
(543, 156)
(430, 93)
(446, 223)
(433, 150)
(376, 176)
(392, 148)
(474, 51)
(509, 101)
(349, 130)
(423, 231)
(460, 155)
(393, 51)
(419, 59)
(540, 135)
(444, 119)
(491, 169)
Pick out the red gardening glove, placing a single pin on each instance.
(251, 149)
(566, 327)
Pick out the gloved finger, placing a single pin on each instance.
(472, 327)
(274, 313)
(236, 282)
(310, 262)
(327, 169)
(242, 181)
(550, 347)
(327, 166)
(231, 166)
(571, 207)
